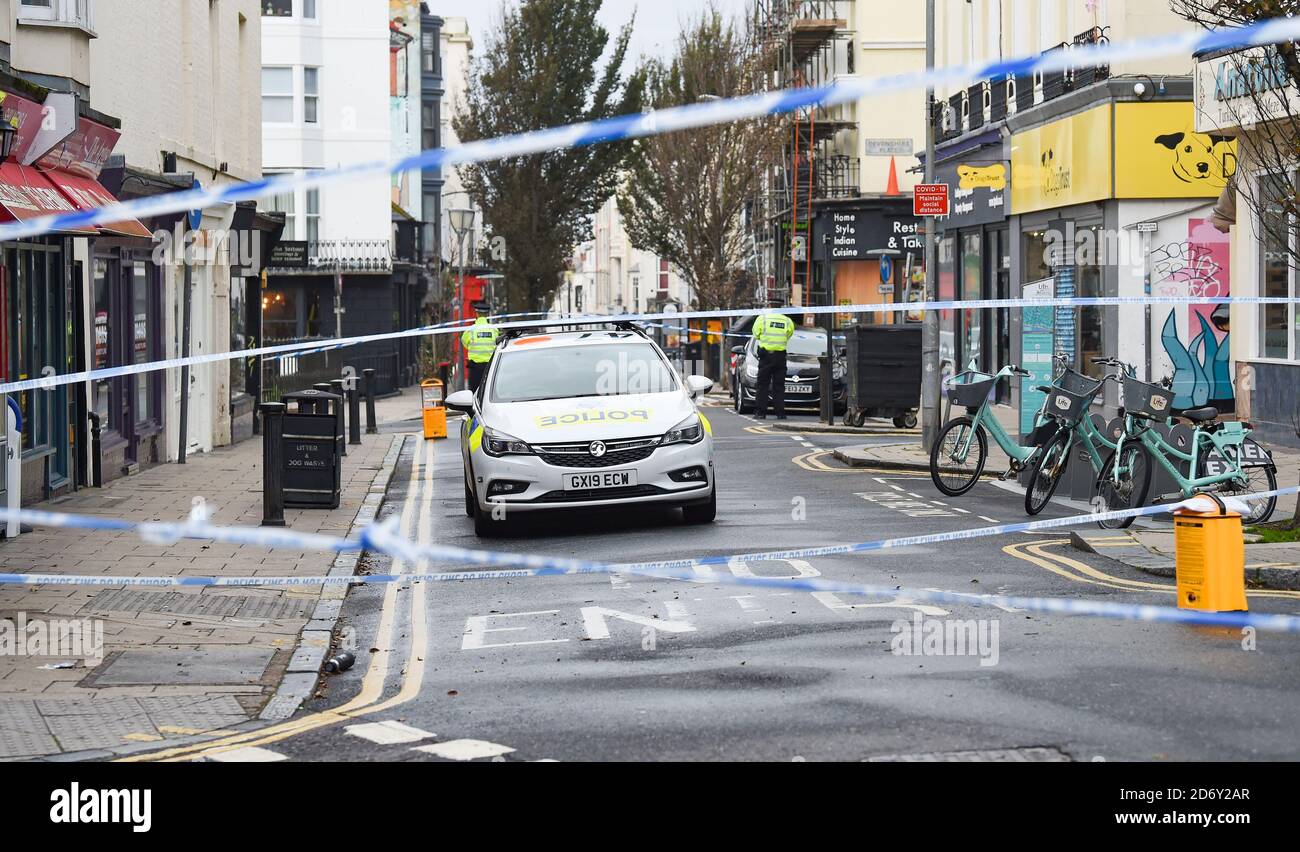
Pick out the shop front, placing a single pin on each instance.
(868, 251)
(974, 254)
(52, 168)
(1108, 200)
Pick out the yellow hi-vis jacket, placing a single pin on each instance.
(773, 331)
(480, 340)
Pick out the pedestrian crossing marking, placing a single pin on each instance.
(388, 732)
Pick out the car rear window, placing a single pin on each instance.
(565, 372)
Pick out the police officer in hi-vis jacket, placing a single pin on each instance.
(772, 331)
(480, 342)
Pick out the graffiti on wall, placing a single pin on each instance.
(1200, 353)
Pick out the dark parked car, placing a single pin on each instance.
(803, 372)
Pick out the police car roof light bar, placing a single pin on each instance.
(565, 325)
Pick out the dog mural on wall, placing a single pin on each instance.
(1200, 157)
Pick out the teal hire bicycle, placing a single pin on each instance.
(961, 450)
(1068, 406)
(1220, 456)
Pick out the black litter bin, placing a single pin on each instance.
(313, 464)
(884, 373)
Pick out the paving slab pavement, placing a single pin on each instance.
(168, 664)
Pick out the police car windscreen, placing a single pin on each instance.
(564, 372)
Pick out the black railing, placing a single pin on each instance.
(345, 255)
(837, 176)
(295, 372)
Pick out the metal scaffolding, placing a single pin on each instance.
(806, 43)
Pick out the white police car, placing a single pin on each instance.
(583, 419)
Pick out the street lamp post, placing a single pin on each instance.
(462, 222)
(930, 373)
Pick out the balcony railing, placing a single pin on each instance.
(345, 255)
(837, 176)
(991, 101)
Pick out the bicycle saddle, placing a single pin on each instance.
(1201, 415)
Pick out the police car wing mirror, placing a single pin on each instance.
(736, 350)
(698, 385)
(461, 401)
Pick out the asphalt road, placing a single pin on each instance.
(628, 668)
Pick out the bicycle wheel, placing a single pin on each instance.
(1258, 480)
(1048, 471)
(1128, 489)
(952, 475)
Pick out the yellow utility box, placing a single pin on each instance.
(435, 415)
(1210, 560)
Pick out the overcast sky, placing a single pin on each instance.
(657, 21)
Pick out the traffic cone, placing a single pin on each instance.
(891, 188)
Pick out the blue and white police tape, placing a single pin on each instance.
(671, 120)
(381, 537)
(53, 380)
(197, 527)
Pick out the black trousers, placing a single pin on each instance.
(476, 371)
(771, 382)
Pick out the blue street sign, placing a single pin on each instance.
(886, 269)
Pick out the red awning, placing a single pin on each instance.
(26, 194)
(89, 194)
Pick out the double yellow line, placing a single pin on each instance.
(1035, 553)
(367, 700)
(813, 461)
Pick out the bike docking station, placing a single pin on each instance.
(432, 409)
(1210, 557)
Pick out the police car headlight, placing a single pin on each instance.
(689, 431)
(751, 369)
(500, 444)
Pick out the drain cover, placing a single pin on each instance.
(217, 606)
(1034, 754)
(224, 666)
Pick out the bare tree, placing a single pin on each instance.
(1259, 108)
(1258, 100)
(684, 192)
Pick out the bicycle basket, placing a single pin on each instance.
(1067, 406)
(1078, 383)
(1152, 402)
(973, 392)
